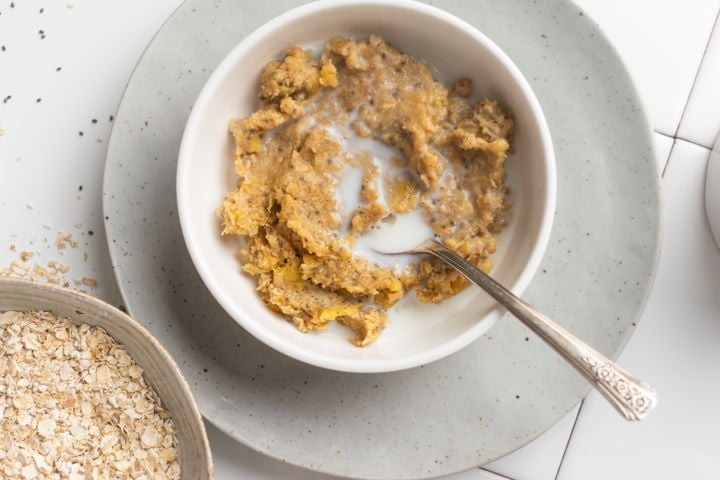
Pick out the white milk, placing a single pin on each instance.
(397, 232)
(348, 195)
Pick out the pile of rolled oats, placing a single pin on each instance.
(74, 405)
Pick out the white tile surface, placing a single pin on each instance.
(661, 42)
(43, 160)
(701, 121)
(676, 349)
(540, 459)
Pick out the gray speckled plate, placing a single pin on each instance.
(468, 409)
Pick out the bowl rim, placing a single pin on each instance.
(364, 365)
(79, 299)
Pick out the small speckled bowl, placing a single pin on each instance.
(454, 49)
(161, 371)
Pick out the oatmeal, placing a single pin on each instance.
(74, 405)
(293, 153)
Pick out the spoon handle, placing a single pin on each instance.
(630, 396)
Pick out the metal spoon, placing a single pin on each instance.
(631, 397)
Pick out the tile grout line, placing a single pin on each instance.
(672, 145)
(686, 140)
(664, 134)
(667, 160)
(697, 73)
(683, 139)
(567, 445)
(499, 475)
(674, 139)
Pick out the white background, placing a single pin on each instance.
(672, 49)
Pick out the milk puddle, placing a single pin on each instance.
(399, 232)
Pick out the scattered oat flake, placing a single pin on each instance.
(64, 239)
(74, 405)
(52, 272)
(58, 266)
(30, 206)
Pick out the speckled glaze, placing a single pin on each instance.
(160, 370)
(463, 411)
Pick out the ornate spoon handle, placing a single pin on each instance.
(630, 396)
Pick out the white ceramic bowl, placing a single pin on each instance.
(455, 50)
(161, 371)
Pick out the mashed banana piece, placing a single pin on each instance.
(291, 154)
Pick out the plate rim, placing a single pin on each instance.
(639, 102)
